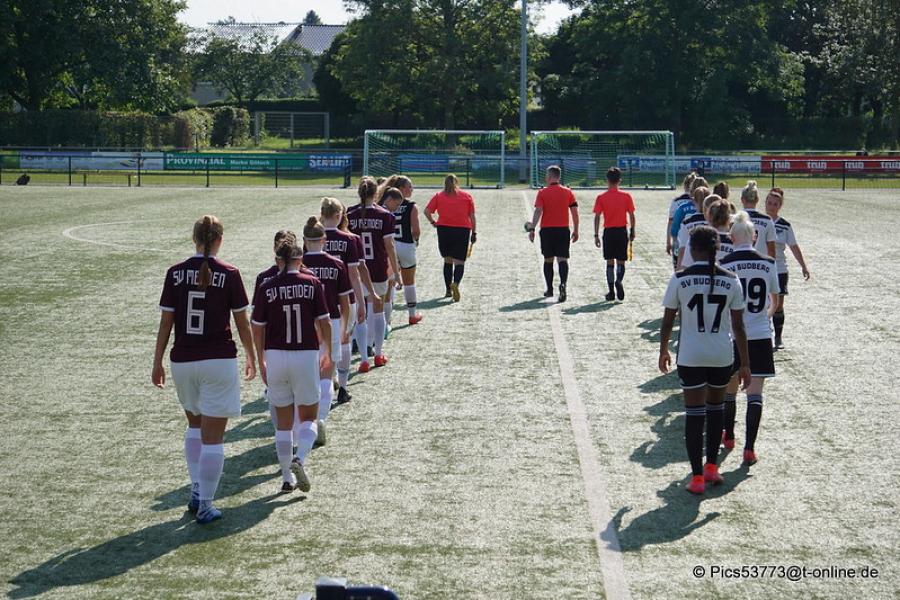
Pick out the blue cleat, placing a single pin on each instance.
(208, 514)
(194, 503)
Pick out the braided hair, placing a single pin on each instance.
(207, 230)
(288, 250)
(705, 240)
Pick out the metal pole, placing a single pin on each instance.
(292, 130)
(70, 171)
(207, 171)
(843, 176)
(523, 91)
(139, 171)
(276, 172)
(256, 128)
(773, 172)
(468, 171)
(328, 130)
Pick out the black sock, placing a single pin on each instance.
(693, 436)
(610, 275)
(458, 271)
(563, 271)
(448, 274)
(620, 273)
(548, 275)
(754, 416)
(730, 412)
(715, 413)
(778, 321)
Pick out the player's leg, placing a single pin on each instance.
(778, 317)
(762, 366)
(381, 289)
(361, 335)
(408, 276)
(548, 276)
(731, 403)
(715, 412)
(187, 387)
(562, 264)
(610, 277)
(621, 258)
(305, 386)
(695, 417)
(448, 275)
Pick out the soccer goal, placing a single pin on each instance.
(646, 158)
(476, 157)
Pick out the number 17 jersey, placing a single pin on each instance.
(705, 334)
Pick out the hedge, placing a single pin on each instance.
(230, 127)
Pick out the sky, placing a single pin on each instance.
(201, 12)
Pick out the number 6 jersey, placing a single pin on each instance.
(705, 334)
(203, 317)
(759, 277)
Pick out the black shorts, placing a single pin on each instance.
(697, 377)
(453, 242)
(615, 243)
(782, 283)
(762, 358)
(555, 242)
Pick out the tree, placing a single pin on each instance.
(312, 18)
(248, 68)
(114, 53)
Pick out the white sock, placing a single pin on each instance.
(361, 335)
(409, 294)
(192, 447)
(285, 453)
(308, 432)
(209, 471)
(344, 365)
(325, 394)
(378, 325)
(295, 429)
(370, 323)
(389, 304)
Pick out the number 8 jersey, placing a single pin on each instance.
(705, 334)
(202, 317)
(759, 277)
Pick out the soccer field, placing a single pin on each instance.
(512, 448)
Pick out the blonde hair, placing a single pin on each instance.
(331, 208)
(207, 230)
(698, 182)
(699, 194)
(708, 201)
(750, 193)
(719, 213)
(451, 184)
(721, 189)
(689, 180)
(742, 230)
(313, 229)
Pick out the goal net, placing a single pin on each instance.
(646, 158)
(476, 157)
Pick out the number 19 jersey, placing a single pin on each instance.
(759, 278)
(705, 335)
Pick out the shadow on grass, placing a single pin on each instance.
(677, 518)
(115, 557)
(661, 383)
(651, 330)
(534, 304)
(596, 307)
(668, 447)
(438, 302)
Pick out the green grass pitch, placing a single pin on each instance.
(453, 473)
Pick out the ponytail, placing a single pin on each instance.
(742, 229)
(719, 213)
(313, 229)
(705, 240)
(750, 193)
(367, 189)
(331, 208)
(207, 230)
(288, 250)
(451, 184)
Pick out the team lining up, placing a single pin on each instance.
(335, 284)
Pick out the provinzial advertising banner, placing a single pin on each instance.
(188, 161)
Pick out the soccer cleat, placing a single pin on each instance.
(380, 360)
(448, 294)
(548, 294)
(778, 344)
(454, 290)
(363, 367)
(562, 292)
(207, 513)
(610, 296)
(343, 396)
(727, 441)
(194, 503)
(620, 291)
(697, 485)
(711, 474)
(415, 319)
(287, 487)
(750, 457)
(321, 438)
(300, 473)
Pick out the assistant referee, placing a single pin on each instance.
(615, 207)
(552, 208)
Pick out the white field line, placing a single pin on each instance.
(608, 550)
(70, 233)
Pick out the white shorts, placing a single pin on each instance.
(381, 288)
(293, 377)
(335, 342)
(209, 387)
(406, 254)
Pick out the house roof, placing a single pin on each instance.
(316, 39)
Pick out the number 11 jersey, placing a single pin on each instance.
(705, 334)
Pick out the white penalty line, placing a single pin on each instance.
(608, 549)
(69, 233)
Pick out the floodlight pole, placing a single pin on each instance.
(523, 94)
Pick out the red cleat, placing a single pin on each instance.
(363, 367)
(727, 442)
(380, 360)
(750, 457)
(697, 485)
(416, 318)
(711, 474)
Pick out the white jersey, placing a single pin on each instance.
(765, 229)
(705, 335)
(677, 202)
(726, 247)
(684, 236)
(784, 236)
(759, 278)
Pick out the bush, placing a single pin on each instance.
(192, 129)
(230, 126)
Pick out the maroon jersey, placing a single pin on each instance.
(288, 306)
(377, 223)
(264, 277)
(203, 318)
(343, 245)
(332, 273)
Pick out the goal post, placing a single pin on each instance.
(646, 158)
(478, 158)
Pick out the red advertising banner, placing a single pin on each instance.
(833, 165)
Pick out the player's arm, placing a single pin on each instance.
(344, 299)
(166, 321)
(414, 224)
(357, 284)
(242, 322)
(392, 257)
(665, 332)
(535, 219)
(574, 211)
(740, 339)
(259, 342)
(323, 328)
(669, 236)
(429, 214)
(597, 230)
(633, 224)
(795, 249)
